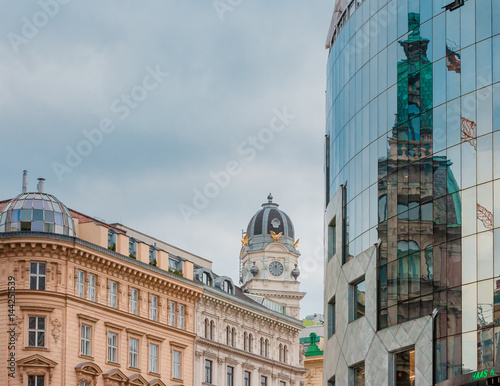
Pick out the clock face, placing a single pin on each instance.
(276, 268)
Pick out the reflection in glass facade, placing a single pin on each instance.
(413, 136)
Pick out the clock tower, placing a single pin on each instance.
(269, 260)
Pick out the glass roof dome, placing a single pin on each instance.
(36, 212)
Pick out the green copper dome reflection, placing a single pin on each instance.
(36, 212)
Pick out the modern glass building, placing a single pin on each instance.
(412, 285)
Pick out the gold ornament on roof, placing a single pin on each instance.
(275, 236)
(244, 240)
(296, 244)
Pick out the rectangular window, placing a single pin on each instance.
(180, 317)
(331, 382)
(171, 314)
(230, 376)
(332, 239)
(208, 371)
(80, 280)
(331, 317)
(359, 300)
(153, 308)
(132, 249)
(282, 383)
(36, 331)
(112, 347)
(176, 364)
(404, 363)
(91, 287)
(263, 380)
(112, 294)
(153, 358)
(111, 240)
(36, 380)
(84, 383)
(359, 375)
(152, 256)
(247, 378)
(134, 296)
(85, 340)
(133, 356)
(174, 265)
(37, 276)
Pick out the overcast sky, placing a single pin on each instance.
(129, 108)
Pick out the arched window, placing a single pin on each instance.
(285, 354)
(207, 329)
(262, 346)
(228, 335)
(206, 279)
(281, 352)
(266, 348)
(250, 343)
(227, 287)
(233, 337)
(245, 337)
(212, 330)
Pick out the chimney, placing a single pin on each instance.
(39, 186)
(25, 181)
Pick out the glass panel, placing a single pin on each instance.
(469, 299)
(404, 363)
(359, 375)
(469, 352)
(469, 259)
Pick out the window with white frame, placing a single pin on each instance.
(153, 358)
(91, 287)
(36, 380)
(132, 248)
(80, 283)
(171, 314)
(113, 289)
(134, 296)
(85, 339)
(112, 347)
(133, 356)
(37, 276)
(153, 308)
(176, 364)
(282, 383)
(206, 279)
(36, 331)
(84, 383)
(180, 317)
(227, 287)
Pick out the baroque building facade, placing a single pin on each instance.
(249, 336)
(412, 192)
(90, 303)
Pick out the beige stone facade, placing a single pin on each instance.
(246, 340)
(51, 324)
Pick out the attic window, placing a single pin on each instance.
(227, 287)
(206, 279)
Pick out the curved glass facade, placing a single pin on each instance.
(413, 134)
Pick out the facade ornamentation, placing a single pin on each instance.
(56, 329)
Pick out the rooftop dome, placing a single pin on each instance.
(36, 212)
(270, 219)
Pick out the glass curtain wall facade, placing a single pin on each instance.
(413, 137)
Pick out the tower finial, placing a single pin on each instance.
(25, 181)
(270, 198)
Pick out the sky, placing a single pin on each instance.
(175, 118)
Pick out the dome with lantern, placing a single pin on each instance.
(36, 212)
(270, 225)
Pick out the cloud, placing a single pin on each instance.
(225, 79)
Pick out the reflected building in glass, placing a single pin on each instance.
(412, 190)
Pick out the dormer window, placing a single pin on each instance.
(132, 248)
(152, 256)
(111, 240)
(174, 265)
(206, 279)
(227, 287)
